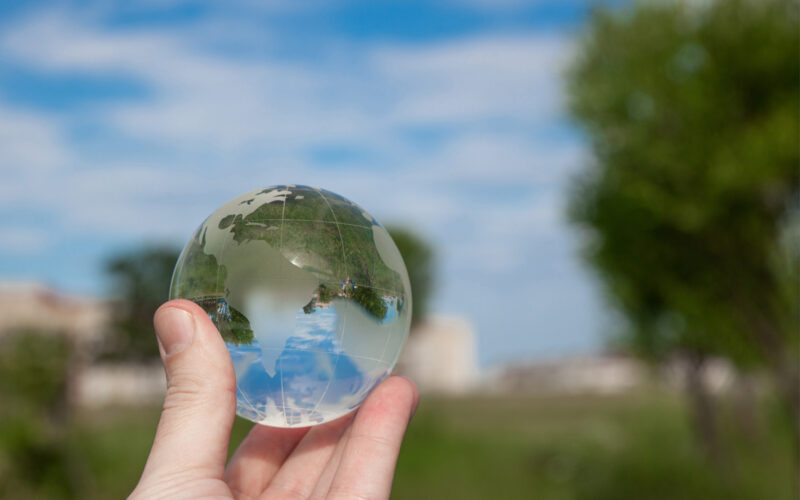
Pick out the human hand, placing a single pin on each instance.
(351, 457)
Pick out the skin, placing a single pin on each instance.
(352, 457)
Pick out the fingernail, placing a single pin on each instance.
(174, 330)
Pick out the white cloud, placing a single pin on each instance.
(30, 141)
(476, 79)
(203, 98)
(500, 4)
(24, 240)
(203, 101)
(198, 98)
(216, 126)
(502, 158)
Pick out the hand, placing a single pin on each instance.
(352, 457)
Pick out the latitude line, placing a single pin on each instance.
(317, 351)
(314, 220)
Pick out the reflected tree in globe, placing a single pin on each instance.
(310, 294)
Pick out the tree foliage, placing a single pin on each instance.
(418, 256)
(36, 379)
(141, 284)
(692, 114)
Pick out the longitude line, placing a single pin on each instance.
(247, 400)
(283, 393)
(333, 373)
(283, 218)
(341, 340)
(386, 343)
(280, 364)
(341, 239)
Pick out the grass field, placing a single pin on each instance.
(623, 447)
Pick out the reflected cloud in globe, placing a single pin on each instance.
(309, 293)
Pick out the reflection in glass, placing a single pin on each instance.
(309, 293)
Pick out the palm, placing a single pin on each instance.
(351, 457)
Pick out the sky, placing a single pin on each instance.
(124, 124)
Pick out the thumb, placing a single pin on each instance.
(192, 436)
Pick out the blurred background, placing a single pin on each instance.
(598, 202)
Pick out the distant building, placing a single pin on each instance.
(440, 356)
(719, 375)
(602, 374)
(35, 306)
(121, 384)
(597, 374)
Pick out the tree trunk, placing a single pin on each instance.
(784, 369)
(702, 406)
(746, 406)
(781, 360)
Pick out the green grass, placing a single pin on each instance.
(623, 447)
(629, 447)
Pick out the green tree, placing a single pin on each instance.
(692, 114)
(37, 373)
(140, 282)
(419, 259)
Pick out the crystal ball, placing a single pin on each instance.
(310, 295)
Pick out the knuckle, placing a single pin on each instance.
(346, 493)
(290, 490)
(239, 494)
(186, 388)
(374, 441)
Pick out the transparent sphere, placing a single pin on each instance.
(309, 293)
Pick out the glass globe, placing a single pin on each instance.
(309, 293)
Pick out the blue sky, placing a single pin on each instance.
(127, 123)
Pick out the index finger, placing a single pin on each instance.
(259, 458)
(368, 460)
